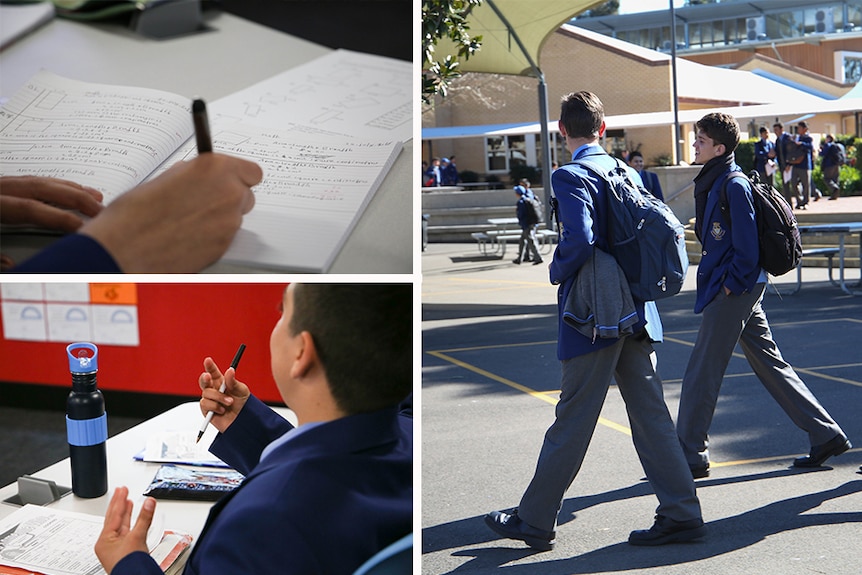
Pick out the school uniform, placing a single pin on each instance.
(74, 253)
(319, 503)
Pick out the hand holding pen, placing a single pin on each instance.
(222, 394)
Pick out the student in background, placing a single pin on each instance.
(649, 179)
(764, 153)
(449, 172)
(830, 164)
(180, 222)
(324, 497)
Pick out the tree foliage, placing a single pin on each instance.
(445, 19)
(607, 9)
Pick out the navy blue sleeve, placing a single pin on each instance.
(75, 253)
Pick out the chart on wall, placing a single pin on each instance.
(101, 313)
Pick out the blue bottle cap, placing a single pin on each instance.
(80, 361)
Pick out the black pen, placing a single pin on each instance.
(221, 389)
(202, 126)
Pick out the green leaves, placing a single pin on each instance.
(445, 19)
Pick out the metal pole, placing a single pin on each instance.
(543, 104)
(676, 130)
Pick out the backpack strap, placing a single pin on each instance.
(594, 167)
(722, 193)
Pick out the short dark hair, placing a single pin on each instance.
(582, 114)
(778, 125)
(363, 334)
(635, 154)
(722, 128)
(763, 130)
(803, 124)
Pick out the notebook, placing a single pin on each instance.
(325, 138)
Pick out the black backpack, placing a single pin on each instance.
(777, 229)
(643, 234)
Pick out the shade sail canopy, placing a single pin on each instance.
(533, 21)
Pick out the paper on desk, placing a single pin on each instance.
(180, 447)
(54, 541)
(361, 96)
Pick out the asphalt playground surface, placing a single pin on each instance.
(490, 379)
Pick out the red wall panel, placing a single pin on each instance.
(179, 325)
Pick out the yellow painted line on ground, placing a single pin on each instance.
(497, 346)
(543, 395)
(812, 371)
(713, 464)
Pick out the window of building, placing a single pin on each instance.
(504, 152)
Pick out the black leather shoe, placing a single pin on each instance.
(516, 261)
(511, 526)
(820, 453)
(537, 262)
(699, 471)
(666, 530)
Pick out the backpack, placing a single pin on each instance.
(643, 234)
(840, 154)
(780, 243)
(535, 210)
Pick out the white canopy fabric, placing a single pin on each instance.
(533, 20)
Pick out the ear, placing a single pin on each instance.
(562, 128)
(602, 129)
(306, 357)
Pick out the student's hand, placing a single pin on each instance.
(225, 406)
(118, 538)
(46, 202)
(183, 220)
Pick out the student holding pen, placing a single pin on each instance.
(324, 497)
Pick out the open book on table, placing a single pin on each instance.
(49, 541)
(325, 143)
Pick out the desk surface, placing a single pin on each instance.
(188, 516)
(230, 56)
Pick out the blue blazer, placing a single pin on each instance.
(580, 194)
(651, 183)
(74, 253)
(730, 252)
(319, 504)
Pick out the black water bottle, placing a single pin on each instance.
(86, 423)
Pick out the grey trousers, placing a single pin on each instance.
(726, 320)
(802, 176)
(528, 245)
(584, 385)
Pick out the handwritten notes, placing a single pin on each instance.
(107, 137)
(325, 134)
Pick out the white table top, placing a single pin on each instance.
(234, 54)
(187, 516)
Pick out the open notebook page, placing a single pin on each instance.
(107, 137)
(314, 190)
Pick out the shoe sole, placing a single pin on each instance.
(687, 536)
(532, 542)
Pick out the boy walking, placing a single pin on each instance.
(730, 287)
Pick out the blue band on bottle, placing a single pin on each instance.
(84, 432)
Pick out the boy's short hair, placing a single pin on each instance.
(635, 154)
(582, 114)
(722, 128)
(364, 338)
(763, 129)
